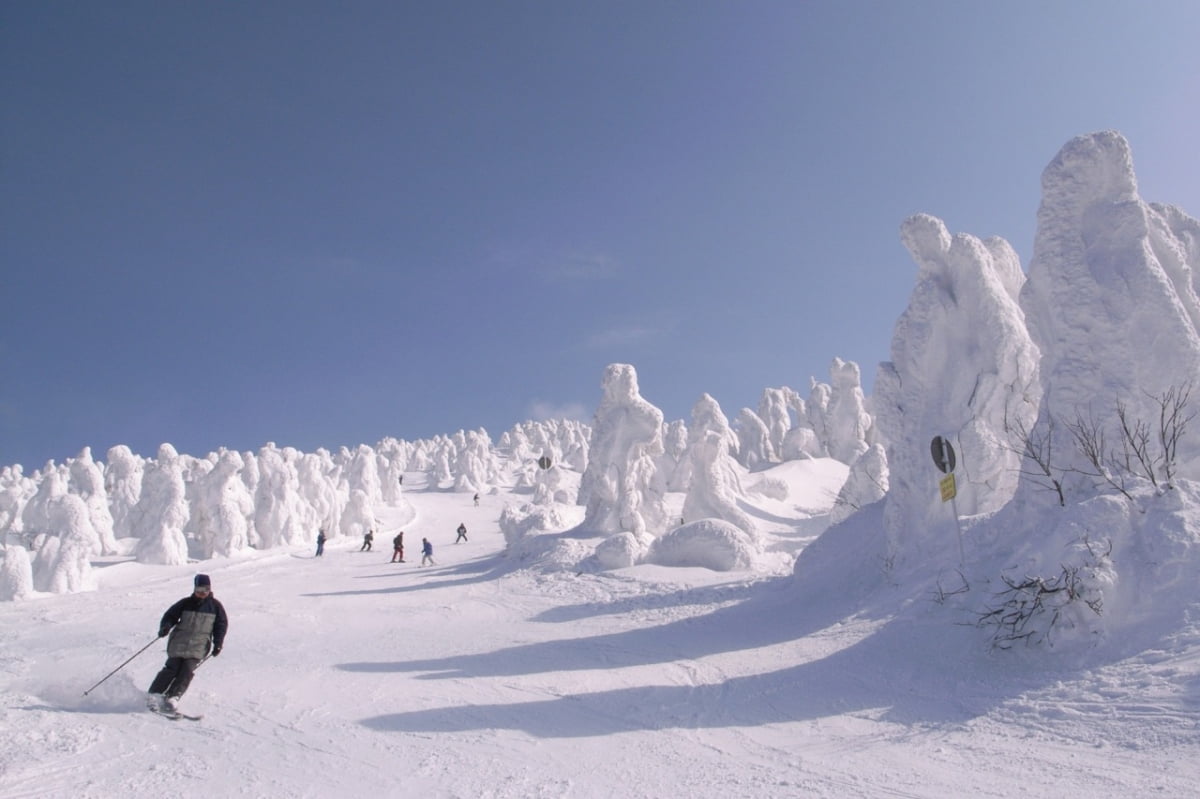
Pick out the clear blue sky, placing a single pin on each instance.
(227, 223)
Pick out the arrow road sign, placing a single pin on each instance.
(943, 454)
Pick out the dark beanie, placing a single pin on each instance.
(202, 579)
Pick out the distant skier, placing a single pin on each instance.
(367, 539)
(477, 500)
(199, 622)
(320, 543)
(426, 552)
(398, 548)
(462, 533)
(401, 479)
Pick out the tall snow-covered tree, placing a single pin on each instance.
(123, 475)
(621, 488)
(87, 482)
(162, 511)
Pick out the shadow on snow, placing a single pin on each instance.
(939, 688)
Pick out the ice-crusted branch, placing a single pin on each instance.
(1145, 452)
(1088, 434)
(1173, 420)
(1037, 447)
(1030, 608)
(1135, 444)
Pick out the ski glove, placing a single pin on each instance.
(216, 651)
(163, 631)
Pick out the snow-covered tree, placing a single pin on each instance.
(15, 491)
(848, 423)
(194, 472)
(1111, 302)
(51, 518)
(774, 412)
(550, 486)
(866, 483)
(161, 513)
(87, 482)
(228, 508)
(16, 573)
(281, 514)
(621, 488)
(123, 474)
(475, 468)
(319, 486)
(393, 459)
(35, 515)
(715, 486)
(63, 563)
(441, 471)
(575, 437)
(817, 408)
(963, 366)
(754, 441)
(362, 473)
(359, 516)
(673, 464)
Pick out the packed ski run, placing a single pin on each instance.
(350, 675)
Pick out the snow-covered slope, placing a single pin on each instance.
(348, 675)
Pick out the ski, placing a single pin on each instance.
(175, 715)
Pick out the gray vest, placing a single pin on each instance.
(190, 637)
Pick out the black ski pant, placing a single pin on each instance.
(175, 676)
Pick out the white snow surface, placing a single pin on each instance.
(347, 676)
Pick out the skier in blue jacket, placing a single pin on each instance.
(197, 626)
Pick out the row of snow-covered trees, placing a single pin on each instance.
(634, 460)
(1065, 392)
(173, 507)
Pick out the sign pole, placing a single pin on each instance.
(958, 523)
(944, 460)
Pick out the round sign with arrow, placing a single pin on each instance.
(943, 454)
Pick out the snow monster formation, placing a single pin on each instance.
(621, 488)
(1112, 303)
(715, 486)
(1086, 373)
(158, 519)
(963, 367)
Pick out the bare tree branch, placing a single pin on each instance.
(1173, 418)
(1089, 440)
(1038, 447)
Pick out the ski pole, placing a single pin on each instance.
(123, 665)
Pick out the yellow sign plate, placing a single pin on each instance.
(948, 487)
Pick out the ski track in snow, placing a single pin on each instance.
(348, 675)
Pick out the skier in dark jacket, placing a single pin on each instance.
(320, 543)
(462, 533)
(197, 626)
(367, 539)
(426, 552)
(398, 548)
